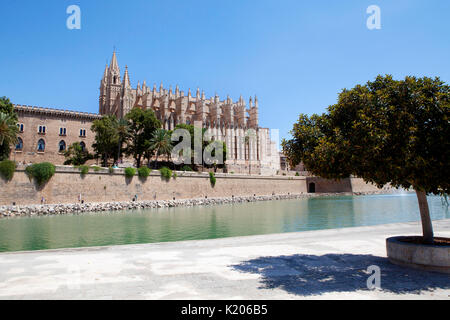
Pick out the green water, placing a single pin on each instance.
(176, 224)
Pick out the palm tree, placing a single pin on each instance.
(8, 129)
(160, 143)
(123, 131)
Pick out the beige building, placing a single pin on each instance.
(46, 133)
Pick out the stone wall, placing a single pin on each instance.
(67, 184)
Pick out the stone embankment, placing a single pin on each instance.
(74, 208)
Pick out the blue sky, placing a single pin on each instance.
(295, 55)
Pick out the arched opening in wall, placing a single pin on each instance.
(41, 145)
(312, 187)
(83, 146)
(62, 146)
(19, 144)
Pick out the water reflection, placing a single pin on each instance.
(175, 224)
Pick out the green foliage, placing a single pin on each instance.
(123, 133)
(76, 156)
(186, 168)
(84, 170)
(144, 172)
(161, 143)
(142, 125)
(7, 107)
(7, 169)
(166, 173)
(106, 138)
(297, 174)
(111, 170)
(130, 172)
(174, 175)
(8, 127)
(386, 131)
(212, 179)
(41, 172)
(96, 169)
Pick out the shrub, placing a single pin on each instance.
(297, 174)
(166, 173)
(130, 172)
(96, 169)
(144, 172)
(111, 170)
(174, 175)
(7, 168)
(186, 168)
(212, 179)
(41, 172)
(84, 170)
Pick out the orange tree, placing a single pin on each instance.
(386, 131)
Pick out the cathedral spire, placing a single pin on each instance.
(114, 71)
(114, 65)
(126, 78)
(105, 73)
(144, 87)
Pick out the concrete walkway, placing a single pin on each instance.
(327, 264)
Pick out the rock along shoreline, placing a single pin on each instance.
(76, 208)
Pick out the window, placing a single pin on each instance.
(20, 127)
(62, 146)
(62, 131)
(41, 145)
(41, 129)
(82, 132)
(19, 145)
(83, 146)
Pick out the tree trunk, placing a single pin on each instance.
(427, 227)
(120, 148)
(138, 161)
(156, 160)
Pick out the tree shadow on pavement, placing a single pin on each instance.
(313, 275)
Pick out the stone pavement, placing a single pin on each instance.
(326, 264)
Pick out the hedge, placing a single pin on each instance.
(41, 172)
(166, 173)
(7, 168)
(144, 172)
(212, 179)
(84, 170)
(130, 172)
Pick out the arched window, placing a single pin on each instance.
(62, 146)
(19, 145)
(83, 146)
(41, 145)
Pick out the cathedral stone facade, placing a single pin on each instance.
(249, 147)
(46, 133)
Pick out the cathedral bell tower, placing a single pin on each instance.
(110, 101)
